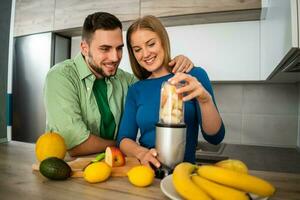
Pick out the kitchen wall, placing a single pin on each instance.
(254, 113)
(259, 113)
(5, 14)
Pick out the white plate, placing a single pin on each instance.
(166, 185)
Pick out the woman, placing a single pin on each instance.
(149, 53)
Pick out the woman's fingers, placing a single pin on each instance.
(191, 89)
(179, 77)
(150, 157)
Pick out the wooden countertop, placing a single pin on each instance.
(18, 181)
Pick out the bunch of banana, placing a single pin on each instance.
(184, 185)
(223, 181)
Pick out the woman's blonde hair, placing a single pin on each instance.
(153, 24)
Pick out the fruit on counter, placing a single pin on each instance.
(141, 176)
(50, 144)
(97, 172)
(183, 183)
(114, 157)
(218, 191)
(99, 157)
(55, 168)
(233, 164)
(237, 180)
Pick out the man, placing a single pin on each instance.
(84, 97)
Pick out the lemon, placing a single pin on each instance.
(233, 164)
(141, 176)
(50, 145)
(97, 172)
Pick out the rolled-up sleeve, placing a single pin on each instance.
(63, 110)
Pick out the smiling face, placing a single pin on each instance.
(104, 52)
(148, 51)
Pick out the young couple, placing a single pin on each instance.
(85, 96)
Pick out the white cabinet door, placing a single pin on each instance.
(277, 34)
(227, 51)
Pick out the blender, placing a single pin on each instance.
(170, 130)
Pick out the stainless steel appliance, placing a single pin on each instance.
(34, 55)
(171, 129)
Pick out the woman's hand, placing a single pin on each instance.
(191, 89)
(148, 156)
(181, 63)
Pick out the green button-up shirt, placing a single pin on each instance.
(71, 107)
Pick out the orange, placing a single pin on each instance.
(50, 144)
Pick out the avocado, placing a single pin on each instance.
(55, 169)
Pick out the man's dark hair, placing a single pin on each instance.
(99, 20)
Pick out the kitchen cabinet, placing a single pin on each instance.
(183, 12)
(71, 13)
(227, 51)
(67, 16)
(280, 41)
(33, 16)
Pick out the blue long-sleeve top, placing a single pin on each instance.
(142, 112)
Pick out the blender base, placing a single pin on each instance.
(162, 171)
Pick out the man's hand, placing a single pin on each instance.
(181, 64)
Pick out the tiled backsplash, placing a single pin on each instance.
(298, 139)
(259, 113)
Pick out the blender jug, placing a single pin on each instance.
(170, 130)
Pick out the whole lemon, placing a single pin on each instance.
(97, 172)
(50, 145)
(233, 164)
(141, 176)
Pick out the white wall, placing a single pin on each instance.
(228, 51)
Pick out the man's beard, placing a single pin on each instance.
(95, 67)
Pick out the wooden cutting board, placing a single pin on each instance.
(79, 164)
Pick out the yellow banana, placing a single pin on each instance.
(233, 164)
(236, 180)
(217, 191)
(183, 183)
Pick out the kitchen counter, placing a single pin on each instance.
(19, 182)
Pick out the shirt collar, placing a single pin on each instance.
(82, 67)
